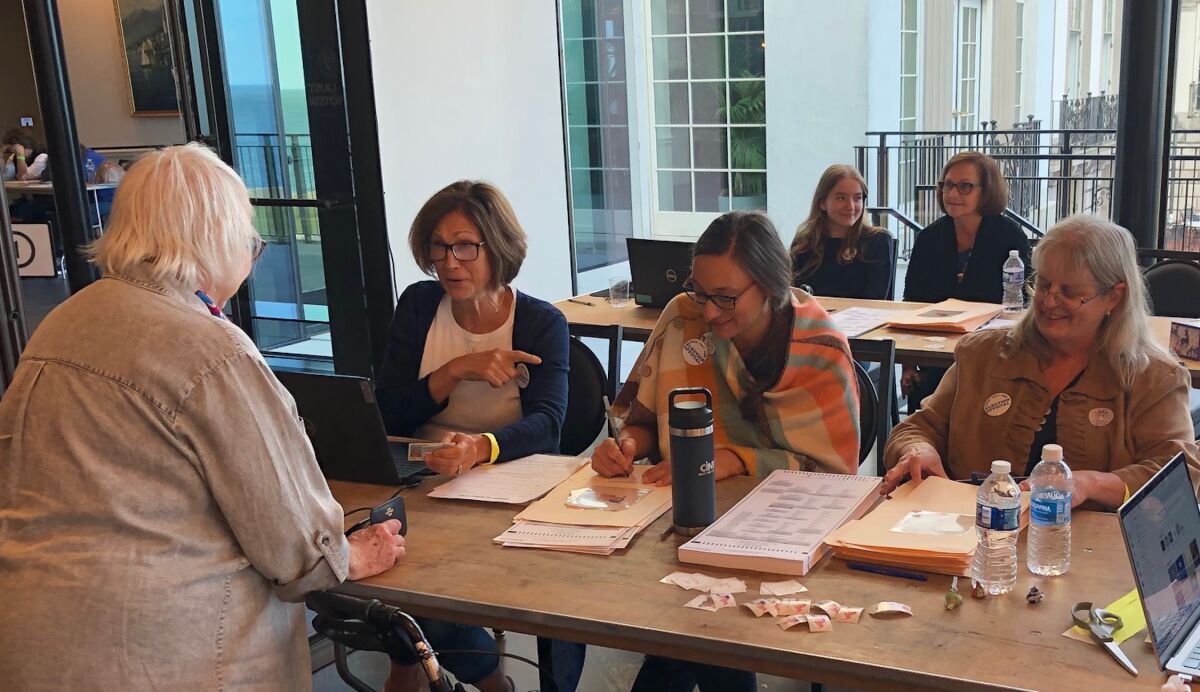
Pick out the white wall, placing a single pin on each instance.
(883, 66)
(470, 89)
(816, 98)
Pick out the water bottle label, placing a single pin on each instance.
(1051, 509)
(996, 518)
(1014, 275)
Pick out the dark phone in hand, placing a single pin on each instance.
(392, 509)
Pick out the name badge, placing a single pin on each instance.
(1100, 417)
(695, 352)
(997, 404)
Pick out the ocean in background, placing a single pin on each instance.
(261, 125)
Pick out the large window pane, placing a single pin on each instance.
(708, 57)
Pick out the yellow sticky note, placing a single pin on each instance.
(1129, 607)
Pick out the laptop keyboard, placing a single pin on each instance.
(406, 468)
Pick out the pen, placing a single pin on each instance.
(580, 302)
(613, 429)
(887, 571)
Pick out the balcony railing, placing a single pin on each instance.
(1051, 174)
(278, 167)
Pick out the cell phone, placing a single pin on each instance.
(392, 509)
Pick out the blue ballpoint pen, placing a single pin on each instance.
(887, 571)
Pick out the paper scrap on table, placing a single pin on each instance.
(730, 585)
(781, 588)
(889, 608)
(712, 602)
(831, 608)
(1129, 607)
(819, 623)
(790, 606)
(849, 615)
(791, 621)
(693, 581)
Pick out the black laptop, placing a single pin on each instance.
(658, 269)
(346, 430)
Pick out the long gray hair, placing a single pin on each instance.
(1105, 250)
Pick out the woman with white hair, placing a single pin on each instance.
(1080, 369)
(161, 510)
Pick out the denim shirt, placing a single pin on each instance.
(160, 504)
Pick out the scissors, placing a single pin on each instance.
(1102, 624)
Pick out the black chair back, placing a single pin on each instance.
(1174, 285)
(868, 405)
(586, 387)
(878, 410)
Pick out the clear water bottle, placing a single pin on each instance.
(1050, 486)
(1014, 283)
(89, 169)
(997, 509)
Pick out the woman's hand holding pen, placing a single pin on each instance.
(614, 457)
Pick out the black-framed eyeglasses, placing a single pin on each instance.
(1066, 300)
(722, 302)
(260, 246)
(964, 187)
(463, 252)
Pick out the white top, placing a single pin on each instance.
(473, 406)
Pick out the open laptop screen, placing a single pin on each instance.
(1161, 523)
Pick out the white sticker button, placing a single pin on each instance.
(1100, 417)
(997, 404)
(695, 351)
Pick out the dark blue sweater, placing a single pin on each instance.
(538, 328)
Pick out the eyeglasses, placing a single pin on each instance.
(1037, 291)
(964, 187)
(722, 302)
(463, 252)
(260, 246)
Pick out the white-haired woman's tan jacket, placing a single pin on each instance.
(990, 405)
(160, 504)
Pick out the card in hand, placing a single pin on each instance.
(417, 451)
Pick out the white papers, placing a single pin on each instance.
(998, 323)
(514, 482)
(856, 321)
(781, 525)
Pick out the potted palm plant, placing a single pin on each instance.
(747, 145)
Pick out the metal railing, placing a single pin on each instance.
(1051, 174)
(1194, 99)
(276, 167)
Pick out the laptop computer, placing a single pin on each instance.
(346, 430)
(658, 269)
(1161, 526)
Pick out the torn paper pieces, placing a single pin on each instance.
(760, 606)
(884, 608)
(848, 615)
(790, 606)
(712, 602)
(816, 623)
(781, 588)
(790, 622)
(703, 582)
(831, 608)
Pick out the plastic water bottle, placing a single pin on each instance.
(1014, 282)
(1050, 489)
(997, 508)
(89, 168)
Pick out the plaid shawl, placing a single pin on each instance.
(808, 420)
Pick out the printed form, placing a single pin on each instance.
(514, 482)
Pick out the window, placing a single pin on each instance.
(1106, 48)
(908, 65)
(708, 111)
(593, 34)
(1019, 60)
(1074, 46)
(967, 83)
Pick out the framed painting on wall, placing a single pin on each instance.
(150, 67)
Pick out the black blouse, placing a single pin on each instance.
(933, 267)
(869, 275)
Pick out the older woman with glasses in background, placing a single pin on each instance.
(1080, 369)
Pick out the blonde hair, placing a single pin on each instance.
(1105, 250)
(182, 216)
(810, 235)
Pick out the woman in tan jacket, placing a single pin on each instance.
(161, 510)
(1080, 369)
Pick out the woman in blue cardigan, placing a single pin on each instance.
(476, 363)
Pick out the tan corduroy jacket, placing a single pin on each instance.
(990, 405)
(159, 504)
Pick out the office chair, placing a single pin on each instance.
(1174, 284)
(877, 407)
(587, 386)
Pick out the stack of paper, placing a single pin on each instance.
(956, 316)
(588, 513)
(515, 482)
(928, 527)
(781, 525)
(857, 320)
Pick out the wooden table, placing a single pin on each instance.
(454, 571)
(37, 187)
(911, 346)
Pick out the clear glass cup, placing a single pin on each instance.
(618, 291)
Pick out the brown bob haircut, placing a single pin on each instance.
(486, 207)
(993, 193)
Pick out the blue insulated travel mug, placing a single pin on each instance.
(693, 463)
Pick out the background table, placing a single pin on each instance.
(454, 571)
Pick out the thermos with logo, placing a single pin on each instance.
(693, 463)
